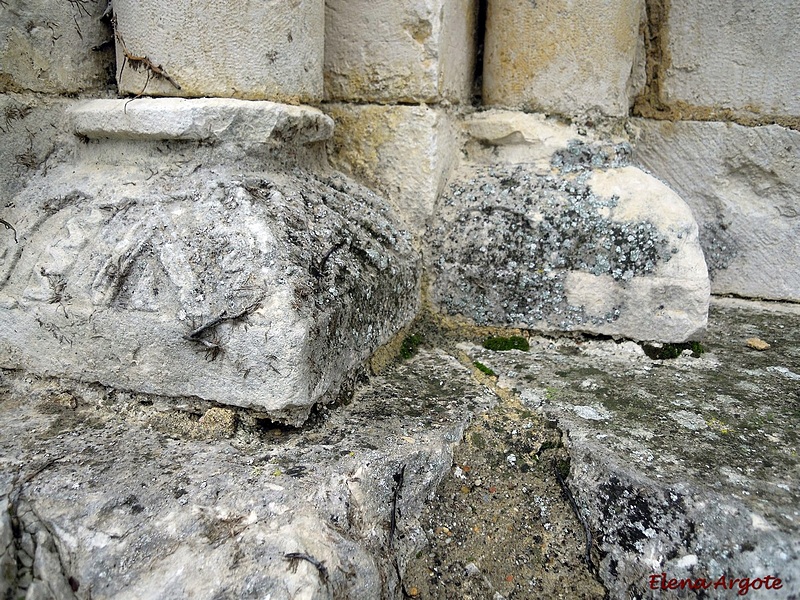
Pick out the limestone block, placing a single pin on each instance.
(54, 47)
(743, 184)
(733, 55)
(563, 57)
(202, 119)
(385, 51)
(404, 152)
(579, 242)
(270, 50)
(208, 270)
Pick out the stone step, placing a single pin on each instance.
(142, 510)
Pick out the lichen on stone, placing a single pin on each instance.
(580, 156)
(510, 236)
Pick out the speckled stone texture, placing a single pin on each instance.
(577, 243)
(101, 492)
(271, 50)
(686, 466)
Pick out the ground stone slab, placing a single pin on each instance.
(254, 282)
(554, 233)
(127, 507)
(687, 466)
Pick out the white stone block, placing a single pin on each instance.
(560, 234)
(733, 55)
(743, 184)
(562, 56)
(217, 119)
(387, 51)
(224, 270)
(268, 50)
(49, 46)
(404, 152)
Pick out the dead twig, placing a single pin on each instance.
(317, 269)
(11, 227)
(294, 557)
(212, 344)
(137, 62)
(574, 505)
(398, 480)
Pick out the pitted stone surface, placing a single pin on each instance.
(569, 58)
(386, 52)
(246, 283)
(211, 119)
(100, 490)
(732, 56)
(54, 47)
(582, 244)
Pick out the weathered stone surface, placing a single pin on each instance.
(733, 55)
(137, 511)
(687, 466)
(384, 51)
(35, 134)
(563, 57)
(579, 242)
(52, 47)
(270, 50)
(210, 119)
(743, 185)
(247, 282)
(404, 152)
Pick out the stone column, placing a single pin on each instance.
(268, 50)
(564, 57)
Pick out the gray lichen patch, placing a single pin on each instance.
(580, 156)
(509, 237)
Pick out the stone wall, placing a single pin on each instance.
(699, 93)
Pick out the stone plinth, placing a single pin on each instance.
(385, 51)
(563, 57)
(743, 184)
(577, 242)
(250, 282)
(270, 50)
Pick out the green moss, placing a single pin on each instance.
(697, 349)
(501, 344)
(670, 351)
(477, 440)
(410, 346)
(484, 369)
